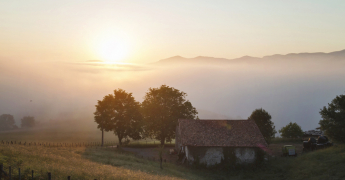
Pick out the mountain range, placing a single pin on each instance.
(334, 56)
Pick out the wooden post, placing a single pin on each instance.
(161, 162)
(69, 177)
(10, 172)
(19, 173)
(32, 175)
(1, 169)
(102, 134)
(49, 176)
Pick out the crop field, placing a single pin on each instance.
(93, 162)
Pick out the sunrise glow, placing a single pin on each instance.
(113, 49)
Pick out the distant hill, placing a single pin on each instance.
(337, 55)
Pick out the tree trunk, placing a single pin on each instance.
(120, 140)
(102, 137)
(162, 141)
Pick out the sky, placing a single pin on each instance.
(46, 48)
(147, 31)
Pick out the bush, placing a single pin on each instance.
(292, 130)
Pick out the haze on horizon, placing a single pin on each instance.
(46, 48)
(135, 31)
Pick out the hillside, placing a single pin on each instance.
(113, 163)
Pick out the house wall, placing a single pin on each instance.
(215, 155)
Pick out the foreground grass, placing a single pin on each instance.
(107, 163)
(322, 164)
(86, 163)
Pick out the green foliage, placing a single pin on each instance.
(263, 119)
(6, 122)
(28, 122)
(161, 109)
(277, 140)
(120, 113)
(292, 130)
(333, 119)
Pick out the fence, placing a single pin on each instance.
(48, 144)
(9, 175)
(4, 175)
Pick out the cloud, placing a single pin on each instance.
(97, 66)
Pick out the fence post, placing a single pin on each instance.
(10, 172)
(1, 169)
(32, 174)
(49, 176)
(19, 173)
(69, 177)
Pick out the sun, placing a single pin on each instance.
(113, 50)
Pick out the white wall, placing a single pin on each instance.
(214, 155)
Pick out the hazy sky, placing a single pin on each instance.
(146, 31)
(44, 46)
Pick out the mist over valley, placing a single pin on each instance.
(292, 87)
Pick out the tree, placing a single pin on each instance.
(28, 122)
(119, 113)
(333, 119)
(292, 130)
(103, 114)
(6, 122)
(161, 109)
(263, 119)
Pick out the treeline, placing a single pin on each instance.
(7, 122)
(156, 117)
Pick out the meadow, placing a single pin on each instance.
(116, 163)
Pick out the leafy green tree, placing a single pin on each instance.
(161, 109)
(28, 122)
(333, 119)
(263, 119)
(120, 113)
(292, 130)
(6, 122)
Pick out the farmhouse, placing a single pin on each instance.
(213, 142)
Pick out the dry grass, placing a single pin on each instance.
(86, 163)
(106, 163)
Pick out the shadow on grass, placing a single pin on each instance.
(276, 168)
(122, 159)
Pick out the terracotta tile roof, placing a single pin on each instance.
(227, 133)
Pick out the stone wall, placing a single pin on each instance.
(215, 155)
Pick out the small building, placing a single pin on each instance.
(313, 133)
(212, 142)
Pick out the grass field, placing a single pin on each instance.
(113, 163)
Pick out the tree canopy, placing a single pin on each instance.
(161, 109)
(119, 113)
(6, 122)
(263, 119)
(28, 122)
(333, 119)
(292, 130)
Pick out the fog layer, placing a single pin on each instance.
(291, 89)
